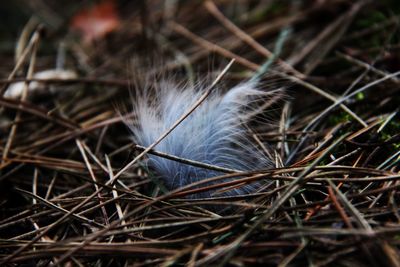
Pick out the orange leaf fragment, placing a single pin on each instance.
(96, 22)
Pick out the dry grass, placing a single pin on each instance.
(332, 200)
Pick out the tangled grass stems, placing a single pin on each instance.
(64, 199)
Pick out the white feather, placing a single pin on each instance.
(214, 133)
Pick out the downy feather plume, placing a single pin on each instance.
(214, 133)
